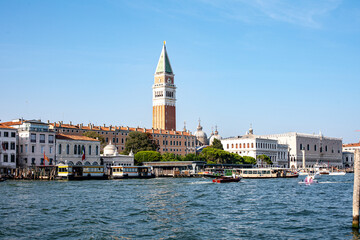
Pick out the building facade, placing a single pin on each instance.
(8, 142)
(164, 94)
(177, 142)
(317, 148)
(36, 143)
(348, 153)
(77, 150)
(252, 145)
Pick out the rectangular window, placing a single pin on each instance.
(6, 158)
(26, 148)
(6, 134)
(50, 149)
(21, 148)
(308, 147)
(59, 149)
(51, 138)
(89, 150)
(12, 158)
(12, 146)
(13, 134)
(42, 138)
(33, 137)
(252, 145)
(42, 149)
(32, 149)
(33, 161)
(6, 145)
(301, 148)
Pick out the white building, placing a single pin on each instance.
(317, 148)
(348, 153)
(35, 142)
(7, 148)
(77, 150)
(254, 145)
(111, 157)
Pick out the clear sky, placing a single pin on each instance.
(280, 65)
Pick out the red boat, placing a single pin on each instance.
(226, 179)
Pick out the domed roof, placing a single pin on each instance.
(216, 135)
(110, 150)
(201, 135)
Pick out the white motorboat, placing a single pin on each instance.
(337, 173)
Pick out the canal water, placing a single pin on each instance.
(180, 208)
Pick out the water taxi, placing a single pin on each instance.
(226, 179)
(119, 172)
(80, 172)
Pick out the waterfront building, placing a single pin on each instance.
(348, 159)
(164, 94)
(36, 142)
(253, 145)
(348, 153)
(8, 142)
(177, 142)
(317, 148)
(111, 157)
(77, 150)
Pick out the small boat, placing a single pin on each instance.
(226, 179)
(310, 179)
(337, 173)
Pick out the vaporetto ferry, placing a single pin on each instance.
(119, 172)
(262, 173)
(80, 172)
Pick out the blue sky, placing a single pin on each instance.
(280, 65)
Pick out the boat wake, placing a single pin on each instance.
(335, 182)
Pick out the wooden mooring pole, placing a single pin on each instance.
(356, 193)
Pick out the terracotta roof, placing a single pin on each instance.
(116, 128)
(352, 145)
(75, 137)
(6, 127)
(11, 123)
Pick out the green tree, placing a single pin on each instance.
(147, 156)
(264, 158)
(139, 141)
(217, 144)
(249, 160)
(95, 135)
(192, 157)
(169, 157)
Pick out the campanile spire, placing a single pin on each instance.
(164, 94)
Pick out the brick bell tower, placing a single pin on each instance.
(164, 94)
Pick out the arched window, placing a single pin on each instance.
(78, 163)
(89, 149)
(252, 145)
(79, 150)
(59, 148)
(67, 149)
(95, 163)
(87, 163)
(97, 150)
(75, 149)
(71, 163)
(236, 145)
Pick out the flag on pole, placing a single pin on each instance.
(46, 158)
(83, 153)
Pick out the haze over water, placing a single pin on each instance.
(182, 208)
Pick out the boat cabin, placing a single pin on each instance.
(118, 172)
(78, 172)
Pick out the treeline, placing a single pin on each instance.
(210, 155)
(146, 149)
